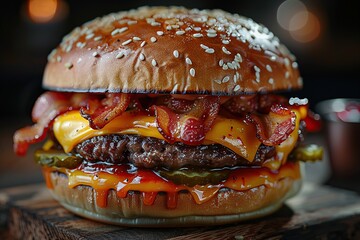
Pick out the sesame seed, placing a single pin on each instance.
(176, 53)
(119, 30)
(89, 36)
(188, 29)
(287, 74)
(287, 62)
(58, 58)
(273, 58)
(295, 65)
(238, 57)
(268, 67)
(237, 64)
(160, 33)
(175, 26)
(119, 55)
(235, 78)
(98, 38)
(198, 29)
(132, 22)
(95, 54)
(225, 67)
(300, 81)
(153, 39)
(136, 39)
(197, 35)
(149, 20)
(68, 65)
(209, 50)
(68, 48)
(226, 79)
(225, 41)
(211, 30)
(142, 44)
(123, 21)
(226, 51)
(221, 62)
(257, 75)
(188, 61)
(155, 24)
(80, 44)
(256, 68)
(230, 65)
(168, 27)
(153, 62)
(203, 46)
(192, 72)
(237, 88)
(127, 42)
(211, 35)
(142, 57)
(180, 32)
(217, 81)
(238, 76)
(271, 80)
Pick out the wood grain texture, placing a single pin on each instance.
(318, 212)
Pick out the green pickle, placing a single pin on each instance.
(306, 153)
(55, 158)
(192, 177)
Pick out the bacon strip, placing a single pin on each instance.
(191, 127)
(101, 113)
(275, 127)
(47, 107)
(243, 104)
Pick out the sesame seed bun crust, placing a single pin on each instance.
(171, 50)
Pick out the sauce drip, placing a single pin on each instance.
(124, 178)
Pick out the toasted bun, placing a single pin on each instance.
(226, 207)
(171, 50)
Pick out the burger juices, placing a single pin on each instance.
(167, 117)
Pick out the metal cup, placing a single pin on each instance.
(341, 119)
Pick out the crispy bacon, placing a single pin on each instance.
(100, 113)
(47, 107)
(275, 127)
(243, 104)
(266, 101)
(28, 135)
(191, 127)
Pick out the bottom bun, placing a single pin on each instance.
(227, 206)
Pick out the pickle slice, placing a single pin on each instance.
(191, 177)
(306, 153)
(55, 158)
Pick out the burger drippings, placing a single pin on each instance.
(124, 178)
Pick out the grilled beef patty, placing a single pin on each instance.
(151, 152)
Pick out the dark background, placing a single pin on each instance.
(329, 64)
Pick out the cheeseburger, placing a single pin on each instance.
(165, 116)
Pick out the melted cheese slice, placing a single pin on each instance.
(71, 128)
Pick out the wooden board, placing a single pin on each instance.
(318, 212)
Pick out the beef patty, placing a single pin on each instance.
(151, 152)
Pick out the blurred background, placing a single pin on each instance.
(323, 35)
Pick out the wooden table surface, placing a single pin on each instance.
(317, 212)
